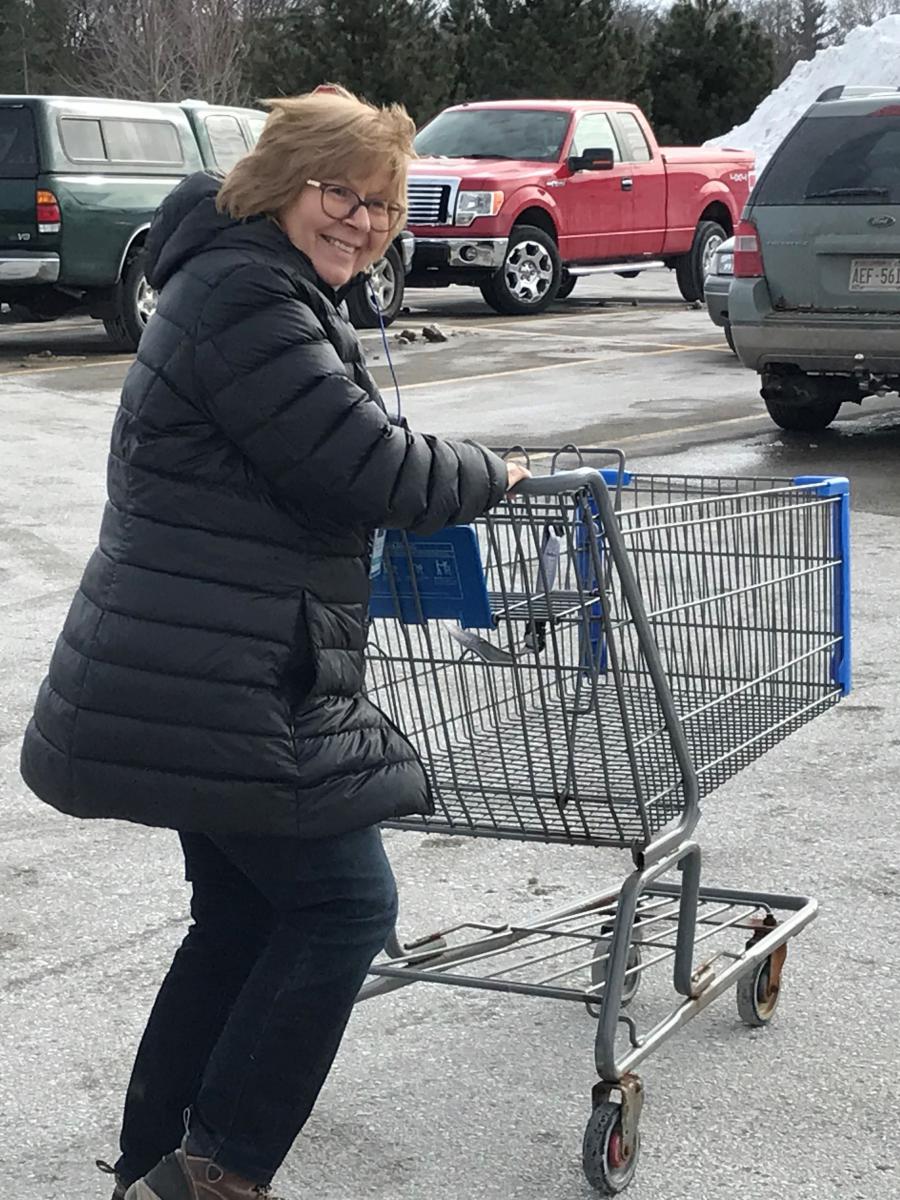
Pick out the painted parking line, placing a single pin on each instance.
(572, 337)
(521, 325)
(672, 431)
(85, 364)
(567, 364)
(65, 366)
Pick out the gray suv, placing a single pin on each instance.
(815, 301)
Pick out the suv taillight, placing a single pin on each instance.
(47, 212)
(748, 263)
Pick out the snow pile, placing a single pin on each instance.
(870, 56)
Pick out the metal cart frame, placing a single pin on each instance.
(619, 600)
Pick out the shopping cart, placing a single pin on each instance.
(582, 666)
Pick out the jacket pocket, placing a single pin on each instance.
(337, 638)
(299, 678)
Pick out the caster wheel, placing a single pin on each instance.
(757, 995)
(606, 1167)
(632, 982)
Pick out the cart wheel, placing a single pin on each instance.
(757, 999)
(632, 982)
(605, 1166)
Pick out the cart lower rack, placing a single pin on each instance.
(582, 666)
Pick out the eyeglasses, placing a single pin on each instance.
(342, 202)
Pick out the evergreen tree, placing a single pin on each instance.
(572, 49)
(14, 60)
(385, 50)
(463, 27)
(709, 68)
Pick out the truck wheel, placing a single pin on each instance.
(803, 418)
(692, 268)
(134, 304)
(387, 282)
(528, 281)
(567, 286)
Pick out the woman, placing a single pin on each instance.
(209, 677)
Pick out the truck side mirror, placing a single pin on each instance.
(593, 160)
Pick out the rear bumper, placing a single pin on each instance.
(810, 341)
(717, 289)
(20, 268)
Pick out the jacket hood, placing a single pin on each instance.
(187, 223)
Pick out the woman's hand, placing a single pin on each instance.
(515, 473)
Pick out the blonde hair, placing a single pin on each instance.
(330, 135)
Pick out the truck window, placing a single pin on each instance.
(524, 133)
(635, 143)
(594, 131)
(82, 140)
(256, 126)
(18, 147)
(142, 141)
(837, 160)
(226, 140)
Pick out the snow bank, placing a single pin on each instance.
(869, 56)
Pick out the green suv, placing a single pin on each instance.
(814, 305)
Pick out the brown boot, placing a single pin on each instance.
(183, 1176)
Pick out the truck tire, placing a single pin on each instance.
(567, 286)
(803, 418)
(387, 280)
(729, 337)
(692, 268)
(528, 281)
(134, 304)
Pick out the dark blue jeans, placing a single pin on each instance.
(252, 1011)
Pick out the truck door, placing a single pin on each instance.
(596, 203)
(646, 231)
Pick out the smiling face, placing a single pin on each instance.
(337, 249)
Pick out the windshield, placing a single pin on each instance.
(837, 160)
(18, 153)
(527, 133)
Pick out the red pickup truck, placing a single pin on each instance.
(521, 197)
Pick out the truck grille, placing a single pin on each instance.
(429, 203)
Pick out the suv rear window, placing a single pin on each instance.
(837, 160)
(18, 148)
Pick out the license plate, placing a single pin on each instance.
(875, 275)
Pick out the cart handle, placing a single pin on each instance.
(560, 483)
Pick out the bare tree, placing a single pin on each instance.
(848, 14)
(213, 33)
(161, 49)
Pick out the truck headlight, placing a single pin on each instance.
(470, 205)
(725, 263)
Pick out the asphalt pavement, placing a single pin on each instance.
(439, 1093)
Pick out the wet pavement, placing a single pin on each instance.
(440, 1094)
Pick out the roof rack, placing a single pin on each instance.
(843, 91)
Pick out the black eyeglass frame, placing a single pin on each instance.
(395, 211)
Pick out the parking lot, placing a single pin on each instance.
(439, 1094)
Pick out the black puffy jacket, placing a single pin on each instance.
(209, 675)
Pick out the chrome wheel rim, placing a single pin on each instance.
(709, 253)
(384, 283)
(528, 271)
(147, 299)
